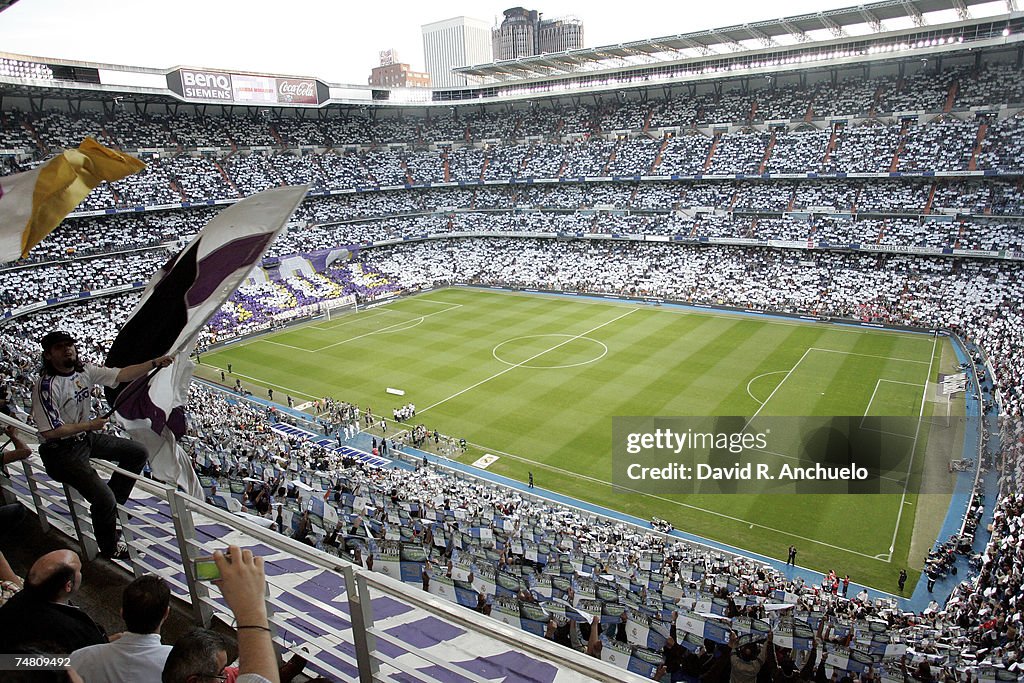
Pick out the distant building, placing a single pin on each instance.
(451, 43)
(393, 74)
(523, 33)
(559, 35)
(516, 35)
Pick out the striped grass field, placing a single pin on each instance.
(537, 379)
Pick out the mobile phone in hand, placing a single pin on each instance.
(206, 569)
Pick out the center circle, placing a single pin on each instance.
(526, 352)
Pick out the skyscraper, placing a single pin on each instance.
(558, 35)
(447, 44)
(522, 33)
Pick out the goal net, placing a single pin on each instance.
(336, 308)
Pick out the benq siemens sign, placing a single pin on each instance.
(201, 85)
(218, 86)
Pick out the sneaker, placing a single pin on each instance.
(120, 553)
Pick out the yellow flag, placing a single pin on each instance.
(33, 203)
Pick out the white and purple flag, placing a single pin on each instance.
(178, 301)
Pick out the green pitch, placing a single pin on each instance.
(536, 380)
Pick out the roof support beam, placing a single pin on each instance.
(765, 39)
(702, 49)
(731, 43)
(961, 10)
(874, 22)
(799, 35)
(662, 47)
(835, 29)
(913, 12)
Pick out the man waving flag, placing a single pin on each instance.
(33, 203)
(175, 305)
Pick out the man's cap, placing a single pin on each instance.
(54, 338)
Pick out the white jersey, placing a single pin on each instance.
(65, 399)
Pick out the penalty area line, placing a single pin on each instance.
(413, 321)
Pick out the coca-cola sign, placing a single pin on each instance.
(296, 91)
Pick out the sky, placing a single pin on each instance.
(337, 41)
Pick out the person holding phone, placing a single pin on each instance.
(202, 653)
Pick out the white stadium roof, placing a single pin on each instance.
(869, 20)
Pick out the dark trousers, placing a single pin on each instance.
(10, 516)
(67, 461)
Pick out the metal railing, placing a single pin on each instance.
(348, 622)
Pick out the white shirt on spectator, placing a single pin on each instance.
(132, 657)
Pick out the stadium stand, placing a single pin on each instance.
(938, 248)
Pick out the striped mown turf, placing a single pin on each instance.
(537, 379)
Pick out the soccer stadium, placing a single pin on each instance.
(447, 402)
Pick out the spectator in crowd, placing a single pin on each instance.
(747, 659)
(199, 655)
(41, 614)
(138, 654)
(202, 654)
(674, 654)
(10, 582)
(12, 513)
(70, 437)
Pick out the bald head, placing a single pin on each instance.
(55, 575)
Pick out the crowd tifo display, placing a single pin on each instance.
(910, 246)
(945, 142)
